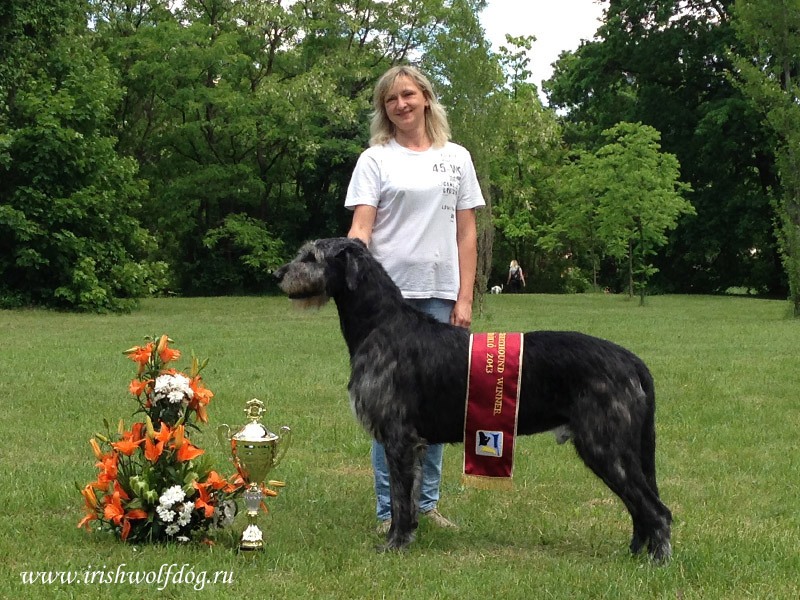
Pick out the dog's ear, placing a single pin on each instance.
(351, 250)
(351, 270)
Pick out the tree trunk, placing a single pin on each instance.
(630, 269)
(485, 247)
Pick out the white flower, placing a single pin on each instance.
(172, 388)
(224, 514)
(173, 529)
(182, 539)
(186, 514)
(171, 496)
(165, 513)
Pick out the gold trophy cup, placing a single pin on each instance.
(255, 451)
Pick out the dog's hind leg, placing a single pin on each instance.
(648, 450)
(622, 473)
(616, 460)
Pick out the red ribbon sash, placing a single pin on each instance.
(490, 424)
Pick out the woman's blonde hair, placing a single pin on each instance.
(382, 129)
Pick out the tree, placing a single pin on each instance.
(68, 237)
(524, 163)
(247, 118)
(622, 201)
(769, 29)
(663, 64)
(574, 227)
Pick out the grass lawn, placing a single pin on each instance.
(728, 459)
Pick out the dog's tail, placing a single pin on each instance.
(648, 433)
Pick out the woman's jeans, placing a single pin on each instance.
(432, 462)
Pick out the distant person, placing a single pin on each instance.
(516, 278)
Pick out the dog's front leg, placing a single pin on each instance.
(403, 459)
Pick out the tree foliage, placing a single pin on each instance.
(664, 64)
(150, 145)
(770, 31)
(250, 112)
(524, 165)
(619, 202)
(68, 235)
(641, 197)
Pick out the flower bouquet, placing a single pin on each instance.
(154, 484)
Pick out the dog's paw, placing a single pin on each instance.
(387, 548)
(637, 544)
(395, 543)
(661, 554)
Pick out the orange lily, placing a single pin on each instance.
(108, 473)
(236, 482)
(268, 492)
(84, 522)
(215, 481)
(136, 431)
(179, 435)
(205, 501)
(115, 513)
(90, 498)
(127, 447)
(165, 353)
(140, 355)
(202, 396)
(152, 451)
(186, 451)
(96, 449)
(91, 503)
(137, 388)
(130, 440)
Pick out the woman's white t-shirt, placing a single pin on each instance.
(416, 195)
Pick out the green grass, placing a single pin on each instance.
(728, 459)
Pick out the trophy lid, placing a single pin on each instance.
(255, 431)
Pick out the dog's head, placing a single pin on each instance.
(321, 270)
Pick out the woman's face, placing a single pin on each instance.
(405, 105)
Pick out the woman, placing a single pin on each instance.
(413, 194)
(516, 278)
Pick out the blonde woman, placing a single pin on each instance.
(516, 278)
(413, 194)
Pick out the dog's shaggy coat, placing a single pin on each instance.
(409, 378)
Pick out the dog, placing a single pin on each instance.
(409, 378)
(496, 289)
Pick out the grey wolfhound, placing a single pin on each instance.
(409, 378)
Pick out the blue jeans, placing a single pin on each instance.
(432, 463)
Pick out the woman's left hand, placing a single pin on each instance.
(461, 316)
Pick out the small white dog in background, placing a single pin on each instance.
(497, 289)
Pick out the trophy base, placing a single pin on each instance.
(250, 547)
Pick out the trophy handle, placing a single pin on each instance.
(224, 435)
(285, 442)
